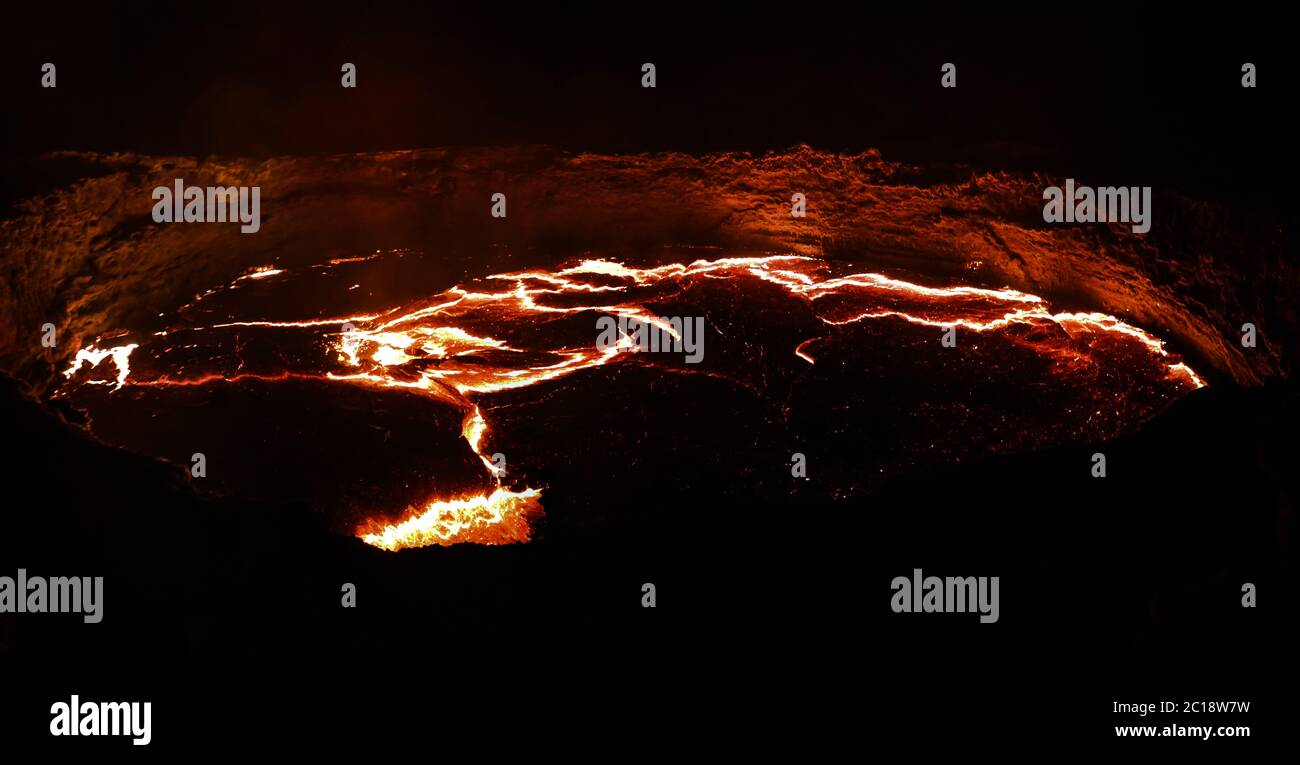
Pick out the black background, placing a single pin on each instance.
(1126, 92)
(759, 639)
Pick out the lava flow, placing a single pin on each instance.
(472, 344)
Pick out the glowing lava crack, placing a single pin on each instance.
(497, 518)
(512, 331)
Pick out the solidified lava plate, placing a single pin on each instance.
(382, 347)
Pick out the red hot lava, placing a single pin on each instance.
(525, 329)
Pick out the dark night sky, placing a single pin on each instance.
(1129, 95)
(1108, 94)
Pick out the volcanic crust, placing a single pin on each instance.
(86, 256)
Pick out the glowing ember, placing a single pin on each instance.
(91, 355)
(261, 273)
(501, 517)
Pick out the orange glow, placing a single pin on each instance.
(501, 517)
(470, 342)
(91, 355)
(261, 272)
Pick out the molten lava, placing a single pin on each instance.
(520, 330)
(497, 518)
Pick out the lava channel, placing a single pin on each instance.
(516, 333)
